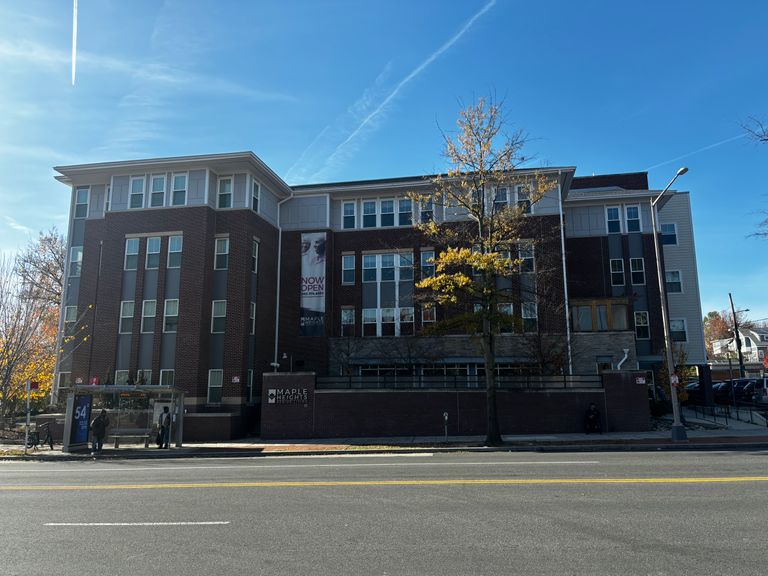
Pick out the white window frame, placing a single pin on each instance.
(345, 260)
(122, 376)
(612, 271)
(163, 377)
(153, 193)
(375, 267)
(131, 242)
(144, 315)
(401, 212)
(214, 316)
(426, 211)
(344, 215)
(147, 373)
(633, 271)
(220, 194)
(255, 195)
(679, 281)
(529, 311)
(87, 203)
(64, 375)
(523, 199)
(174, 189)
(166, 316)
(428, 313)
(131, 193)
(75, 261)
(70, 319)
(672, 321)
(608, 220)
(427, 267)
(500, 198)
(127, 318)
(152, 240)
(171, 251)
(662, 234)
(523, 248)
(375, 214)
(346, 313)
(627, 219)
(252, 316)
(255, 257)
(393, 201)
(219, 373)
(225, 242)
(639, 314)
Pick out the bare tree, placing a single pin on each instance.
(756, 130)
(41, 267)
(487, 248)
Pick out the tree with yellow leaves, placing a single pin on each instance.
(487, 238)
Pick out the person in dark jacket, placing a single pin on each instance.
(99, 431)
(592, 421)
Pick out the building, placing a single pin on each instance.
(205, 272)
(725, 354)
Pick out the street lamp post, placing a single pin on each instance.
(678, 430)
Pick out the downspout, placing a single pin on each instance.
(565, 275)
(626, 355)
(275, 362)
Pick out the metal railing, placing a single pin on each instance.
(463, 382)
(713, 413)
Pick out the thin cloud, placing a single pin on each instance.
(709, 147)
(17, 226)
(368, 120)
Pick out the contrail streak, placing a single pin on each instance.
(415, 73)
(74, 42)
(715, 145)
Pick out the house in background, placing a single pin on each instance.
(206, 272)
(754, 344)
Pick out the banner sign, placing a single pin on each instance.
(312, 317)
(81, 419)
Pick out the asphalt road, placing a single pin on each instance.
(669, 513)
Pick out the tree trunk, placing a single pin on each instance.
(493, 435)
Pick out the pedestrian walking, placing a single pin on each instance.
(592, 421)
(164, 422)
(98, 431)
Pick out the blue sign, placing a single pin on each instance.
(81, 418)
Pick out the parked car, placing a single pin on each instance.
(722, 392)
(695, 393)
(740, 389)
(760, 391)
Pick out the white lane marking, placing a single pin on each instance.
(135, 523)
(283, 466)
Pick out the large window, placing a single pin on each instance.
(598, 316)
(405, 212)
(524, 199)
(148, 312)
(157, 197)
(669, 233)
(218, 316)
(369, 268)
(75, 261)
(167, 377)
(617, 272)
(215, 385)
(131, 261)
(126, 317)
(390, 312)
(348, 269)
(427, 263)
(369, 214)
(633, 218)
(674, 281)
(174, 251)
(171, 315)
(221, 256)
(348, 215)
(387, 213)
(136, 197)
(530, 317)
(642, 328)
(500, 198)
(225, 192)
(81, 202)
(152, 261)
(347, 321)
(637, 269)
(613, 219)
(677, 330)
(179, 192)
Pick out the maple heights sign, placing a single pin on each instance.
(287, 396)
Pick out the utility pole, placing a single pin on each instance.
(742, 372)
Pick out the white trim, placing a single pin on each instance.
(213, 316)
(133, 314)
(639, 218)
(144, 315)
(152, 178)
(186, 188)
(219, 180)
(611, 271)
(680, 281)
(354, 214)
(685, 329)
(607, 221)
(172, 371)
(131, 179)
(165, 315)
(632, 272)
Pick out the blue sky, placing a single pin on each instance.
(358, 89)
